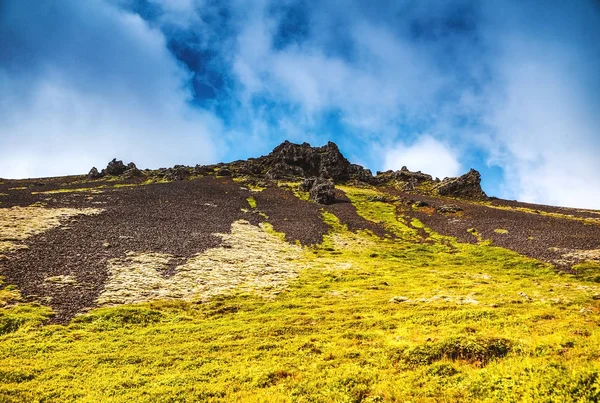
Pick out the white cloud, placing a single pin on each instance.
(427, 155)
(543, 113)
(94, 91)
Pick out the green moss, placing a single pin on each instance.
(251, 201)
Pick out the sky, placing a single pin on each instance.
(510, 88)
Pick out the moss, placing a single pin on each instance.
(251, 201)
(480, 350)
(501, 231)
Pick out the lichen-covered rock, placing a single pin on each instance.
(466, 186)
(323, 191)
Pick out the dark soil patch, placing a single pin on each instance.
(346, 212)
(534, 235)
(177, 218)
(299, 220)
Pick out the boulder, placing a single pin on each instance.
(323, 191)
(449, 208)
(94, 174)
(115, 168)
(132, 171)
(466, 186)
(223, 172)
(290, 160)
(177, 173)
(307, 184)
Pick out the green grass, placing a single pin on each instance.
(476, 323)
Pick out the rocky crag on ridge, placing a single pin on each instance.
(318, 168)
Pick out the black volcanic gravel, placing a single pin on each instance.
(346, 212)
(298, 219)
(530, 234)
(178, 218)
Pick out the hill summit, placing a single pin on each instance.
(293, 162)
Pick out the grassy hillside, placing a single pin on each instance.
(413, 316)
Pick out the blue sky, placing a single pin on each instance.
(511, 88)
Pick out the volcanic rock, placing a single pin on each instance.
(177, 173)
(94, 174)
(224, 172)
(323, 191)
(307, 184)
(132, 171)
(404, 175)
(466, 186)
(114, 168)
(449, 208)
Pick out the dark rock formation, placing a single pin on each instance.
(449, 208)
(289, 161)
(177, 173)
(94, 174)
(323, 191)
(132, 171)
(307, 184)
(223, 172)
(114, 168)
(466, 186)
(409, 178)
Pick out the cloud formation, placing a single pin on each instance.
(509, 88)
(429, 154)
(78, 90)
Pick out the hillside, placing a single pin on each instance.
(296, 276)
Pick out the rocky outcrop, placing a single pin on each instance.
(409, 179)
(467, 186)
(116, 168)
(94, 174)
(320, 190)
(323, 191)
(289, 161)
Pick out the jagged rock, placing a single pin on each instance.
(323, 191)
(177, 173)
(132, 171)
(301, 160)
(94, 174)
(307, 184)
(448, 208)
(114, 168)
(251, 167)
(223, 172)
(202, 170)
(466, 186)
(361, 174)
(411, 179)
(281, 170)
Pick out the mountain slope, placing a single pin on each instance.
(228, 283)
